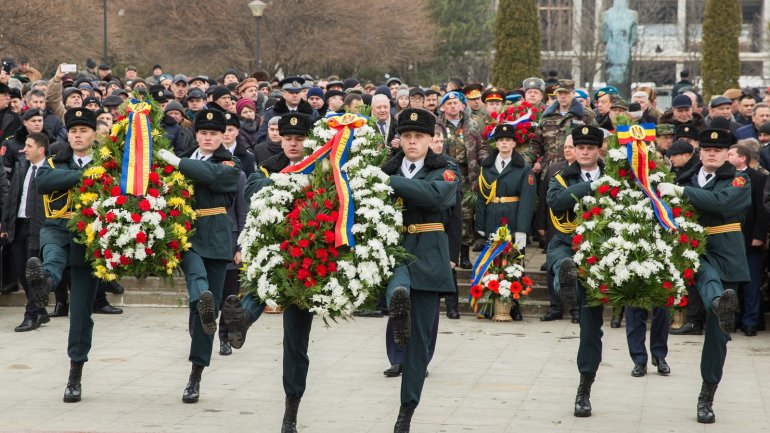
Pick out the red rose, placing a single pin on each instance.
(526, 281)
(667, 285)
(604, 189)
(694, 243)
(89, 212)
(284, 245)
(321, 271)
(102, 233)
(115, 191)
(651, 164)
(476, 291)
(185, 193)
(310, 282)
(135, 217)
(306, 262)
(333, 251)
(304, 243)
(689, 214)
(683, 302)
(296, 252)
(148, 251)
(622, 172)
(688, 274)
(121, 200)
(320, 190)
(110, 217)
(144, 205)
(106, 180)
(162, 215)
(174, 244)
(586, 216)
(670, 302)
(684, 239)
(107, 254)
(97, 254)
(332, 267)
(124, 260)
(309, 195)
(88, 182)
(113, 138)
(576, 241)
(174, 213)
(603, 288)
(596, 210)
(494, 286)
(187, 225)
(328, 204)
(329, 237)
(592, 260)
(152, 192)
(141, 238)
(303, 274)
(81, 226)
(614, 192)
(605, 300)
(154, 178)
(168, 169)
(676, 212)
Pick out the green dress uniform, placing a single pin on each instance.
(215, 180)
(509, 194)
(426, 197)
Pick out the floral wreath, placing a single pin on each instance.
(297, 251)
(521, 116)
(133, 211)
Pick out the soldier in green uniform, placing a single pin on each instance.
(427, 185)
(465, 145)
(723, 197)
(472, 94)
(506, 191)
(568, 186)
(493, 99)
(215, 179)
(56, 179)
(240, 314)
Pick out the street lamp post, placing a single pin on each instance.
(104, 54)
(257, 9)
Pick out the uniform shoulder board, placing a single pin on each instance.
(739, 181)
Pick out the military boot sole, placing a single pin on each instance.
(400, 307)
(207, 313)
(38, 282)
(725, 310)
(568, 283)
(233, 315)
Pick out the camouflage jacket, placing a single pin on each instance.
(465, 144)
(547, 146)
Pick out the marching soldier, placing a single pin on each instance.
(723, 196)
(427, 184)
(215, 178)
(506, 191)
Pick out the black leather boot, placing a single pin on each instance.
(705, 401)
(61, 309)
(465, 257)
(72, 392)
(40, 284)
(113, 287)
(235, 319)
(516, 311)
(289, 424)
(193, 390)
(400, 309)
(583, 398)
(404, 420)
(724, 308)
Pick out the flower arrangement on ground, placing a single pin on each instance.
(324, 234)
(133, 211)
(632, 248)
(498, 274)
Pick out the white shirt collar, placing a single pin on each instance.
(499, 160)
(232, 148)
(702, 181)
(198, 155)
(405, 164)
(595, 174)
(84, 160)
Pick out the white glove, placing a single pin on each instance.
(520, 239)
(670, 189)
(169, 157)
(482, 234)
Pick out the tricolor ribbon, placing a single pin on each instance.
(338, 150)
(634, 137)
(488, 255)
(137, 151)
(525, 119)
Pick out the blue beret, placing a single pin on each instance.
(606, 90)
(453, 95)
(580, 93)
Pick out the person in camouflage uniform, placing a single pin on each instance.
(534, 91)
(465, 144)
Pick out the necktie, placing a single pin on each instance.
(708, 176)
(588, 176)
(31, 192)
(382, 127)
(80, 162)
(412, 167)
(502, 166)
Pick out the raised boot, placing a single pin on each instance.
(568, 283)
(193, 390)
(235, 319)
(724, 308)
(583, 398)
(207, 313)
(40, 284)
(400, 312)
(705, 403)
(72, 392)
(404, 420)
(289, 424)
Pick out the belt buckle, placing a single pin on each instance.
(411, 228)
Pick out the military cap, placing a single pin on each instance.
(580, 93)
(664, 129)
(587, 134)
(504, 130)
(158, 93)
(679, 147)
(713, 137)
(533, 83)
(618, 102)
(294, 124)
(415, 119)
(201, 78)
(392, 80)
(565, 86)
(452, 95)
(196, 93)
(80, 117)
(606, 90)
(292, 84)
(687, 131)
(416, 91)
(112, 101)
(179, 78)
(550, 90)
(764, 128)
(681, 101)
(131, 68)
(32, 112)
(716, 101)
(232, 119)
(513, 97)
(473, 91)
(493, 94)
(210, 120)
(91, 100)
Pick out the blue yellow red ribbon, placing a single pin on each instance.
(338, 150)
(137, 150)
(488, 255)
(634, 138)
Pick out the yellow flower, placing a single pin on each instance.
(117, 127)
(88, 197)
(176, 201)
(100, 271)
(177, 177)
(179, 231)
(104, 151)
(98, 171)
(89, 234)
(110, 277)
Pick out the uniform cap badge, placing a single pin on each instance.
(78, 114)
(584, 131)
(714, 135)
(209, 116)
(293, 121)
(413, 116)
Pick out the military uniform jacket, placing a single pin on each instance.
(725, 199)
(216, 182)
(547, 144)
(56, 178)
(516, 181)
(427, 198)
(261, 177)
(561, 200)
(465, 145)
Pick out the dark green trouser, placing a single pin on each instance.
(83, 292)
(55, 259)
(202, 275)
(714, 353)
(296, 336)
(423, 310)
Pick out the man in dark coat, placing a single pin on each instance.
(291, 102)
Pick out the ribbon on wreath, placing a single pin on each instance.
(634, 137)
(488, 255)
(337, 150)
(137, 152)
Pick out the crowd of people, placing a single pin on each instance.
(263, 122)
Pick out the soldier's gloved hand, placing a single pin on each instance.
(482, 234)
(670, 189)
(520, 239)
(169, 157)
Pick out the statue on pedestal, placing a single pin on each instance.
(619, 34)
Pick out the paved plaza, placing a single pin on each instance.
(485, 377)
